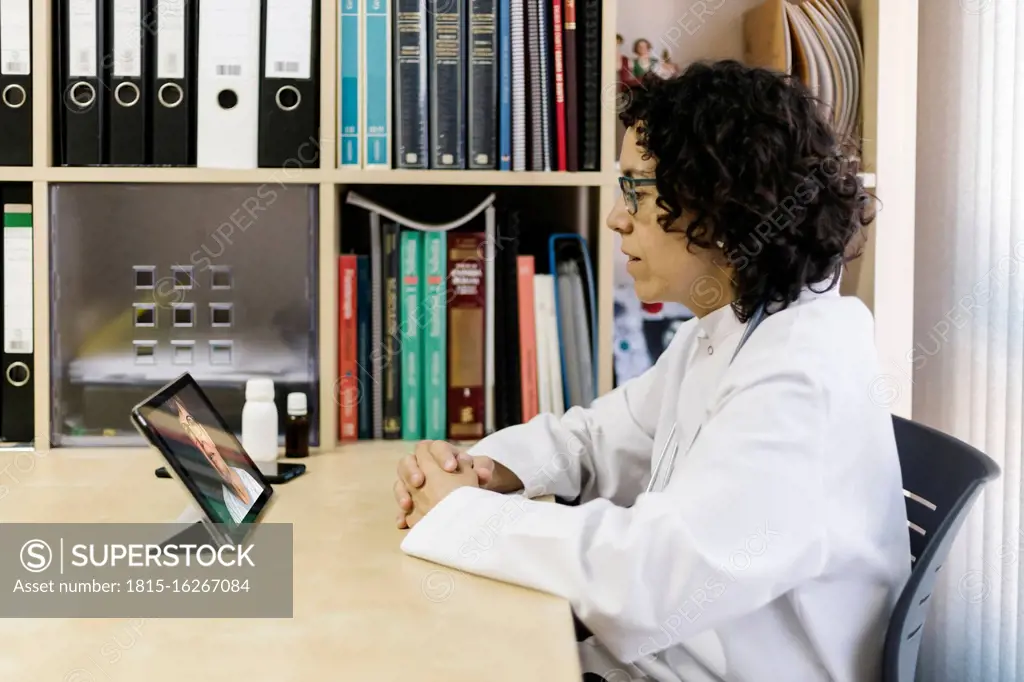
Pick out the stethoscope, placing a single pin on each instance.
(752, 324)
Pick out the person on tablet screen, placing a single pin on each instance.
(240, 489)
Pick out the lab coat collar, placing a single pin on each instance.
(722, 323)
(719, 324)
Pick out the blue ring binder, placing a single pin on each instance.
(588, 274)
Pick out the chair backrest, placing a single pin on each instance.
(942, 476)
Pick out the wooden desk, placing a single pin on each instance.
(363, 611)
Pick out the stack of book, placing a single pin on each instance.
(509, 85)
(450, 332)
(817, 42)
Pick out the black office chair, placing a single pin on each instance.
(942, 476)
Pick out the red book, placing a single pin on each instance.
(527, 337)
(556, 11)
(348, 351)
(466, 333)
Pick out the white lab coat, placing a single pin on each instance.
(780, 544)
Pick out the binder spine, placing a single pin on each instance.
(517, 35)
(447, 102)
(435, 374)
(82, 104)
(128, 99)
(16, 82)
(377, 84)
(483, 84)
(410, 97)
(411, 310)
(227, 130)
(172, 63)
(350, 93)
(289, 84)
(17, 352)
(505, 85)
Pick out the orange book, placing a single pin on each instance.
(527, 337)
(347, 392)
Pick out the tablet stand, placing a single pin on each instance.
(195, 534)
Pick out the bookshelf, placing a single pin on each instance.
(329, 179)
(884, 279)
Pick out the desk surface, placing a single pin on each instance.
(363, 611)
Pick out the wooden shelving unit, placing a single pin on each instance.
(329, 179)
(884, 281)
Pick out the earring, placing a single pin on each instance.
(720, 244)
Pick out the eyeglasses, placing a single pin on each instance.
(628, 186)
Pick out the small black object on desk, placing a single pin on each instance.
(274, 472)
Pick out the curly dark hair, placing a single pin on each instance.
(750, 159)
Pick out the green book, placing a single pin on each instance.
(435, 341)
(411, 331)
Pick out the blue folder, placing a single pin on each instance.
(564, 247)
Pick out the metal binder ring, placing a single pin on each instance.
(288, 88)
(10, 374)
(81, 86)
(127, 86)
(178, 95)
(14, 87)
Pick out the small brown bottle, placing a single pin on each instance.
(296, 433)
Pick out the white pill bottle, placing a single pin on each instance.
(259, 421)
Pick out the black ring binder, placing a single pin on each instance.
(18, 89)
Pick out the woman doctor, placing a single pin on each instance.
(741, 509)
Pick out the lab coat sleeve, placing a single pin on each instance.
(600, 451)
(740, 524)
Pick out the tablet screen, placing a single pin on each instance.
(208, 459)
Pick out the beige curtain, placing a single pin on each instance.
(969, 316)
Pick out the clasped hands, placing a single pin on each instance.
(435, 469)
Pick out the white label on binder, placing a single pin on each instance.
(18, 283)
(15, 38)
(289, 38)
(170, 39)
(229, 39)
(127, 38)
(82, 39)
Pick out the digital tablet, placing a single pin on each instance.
(206, 458)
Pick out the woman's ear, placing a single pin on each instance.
(720, 258)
